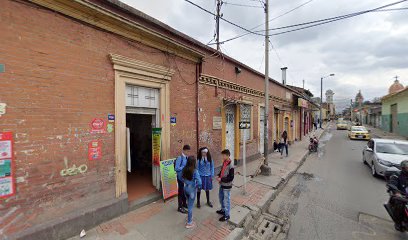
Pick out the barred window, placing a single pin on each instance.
(245, 110)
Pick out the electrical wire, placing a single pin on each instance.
(322, 21)
(225, 20)
(242, 5)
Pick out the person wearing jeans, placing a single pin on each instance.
(192, 182)
(284, 143)
(225, 178)
(179, 165)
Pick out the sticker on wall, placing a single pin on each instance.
(173, 121)
(2, 109)
(94, 150)
(7, 187)
(98, 125)
(111, 118)
(2, 68)
(109, 128)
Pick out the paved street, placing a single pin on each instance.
(333, 195)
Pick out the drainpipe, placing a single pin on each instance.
(199, 68)
(284, 75)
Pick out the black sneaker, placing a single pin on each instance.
(224, 218)
(210, 204)
(198, 205)
(220, 212)
(182, 210)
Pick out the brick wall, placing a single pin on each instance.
(58, 78)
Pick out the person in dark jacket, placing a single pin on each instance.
(284, 142)
(225, 178)
(179, 165)
(401, 182)
(205, 166)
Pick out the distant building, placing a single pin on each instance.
(331, 109)
(395, 109)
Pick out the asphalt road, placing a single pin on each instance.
(334, 196)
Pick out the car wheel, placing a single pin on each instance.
(364, 160)
(373, 170)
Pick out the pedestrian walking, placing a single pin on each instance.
(192, 182)
(179, 165)
(206, 171)
(284, 142)
(225, 178)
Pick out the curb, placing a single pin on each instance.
(239, 232)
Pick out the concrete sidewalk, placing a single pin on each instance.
(160, 220)
(379, 133)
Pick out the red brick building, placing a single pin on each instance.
(68, 63)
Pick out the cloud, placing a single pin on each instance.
(365, 52)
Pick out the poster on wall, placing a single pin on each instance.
(168, 178)
(98, 125)
(156, 146)
(7, 187)
(94, 150)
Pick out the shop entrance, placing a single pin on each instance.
(139, 167)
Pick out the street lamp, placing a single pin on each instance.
(321, 96)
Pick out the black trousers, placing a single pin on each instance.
(182, 201)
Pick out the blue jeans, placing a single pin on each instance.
(284, 146)
(225, 200)
(190, 193)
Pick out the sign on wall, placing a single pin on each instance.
(303, 103)
(217, 123)
(7, 186)
(168, 178)
(98, 125)
(173, 121)
(95, 150)
(156, 145)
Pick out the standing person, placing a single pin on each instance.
(192, 182)
(285, 142)
(206, 171)
(179, 165)
(225, 178)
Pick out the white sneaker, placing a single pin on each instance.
(191, 225)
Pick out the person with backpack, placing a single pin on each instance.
(179, 165)
(206, 170)
(192, 182)
(225, 178)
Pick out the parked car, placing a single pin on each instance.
(381, 154)
(359, 132)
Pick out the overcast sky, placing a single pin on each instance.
(364, 52)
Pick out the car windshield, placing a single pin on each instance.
(392, 148)
(358, 129)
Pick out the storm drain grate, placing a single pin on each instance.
(266, 228)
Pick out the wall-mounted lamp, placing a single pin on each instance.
(238, 70)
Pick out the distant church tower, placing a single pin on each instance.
(329, 96)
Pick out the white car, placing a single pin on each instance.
(381, 154)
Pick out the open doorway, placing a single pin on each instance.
(139, 175)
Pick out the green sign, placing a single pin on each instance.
(5, 168)
(168, 178)
(2, 68)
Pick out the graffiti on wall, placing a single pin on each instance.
(73, 170)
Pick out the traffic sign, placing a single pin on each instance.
(244, 125)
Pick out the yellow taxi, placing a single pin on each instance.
(359, 132)
(341, 125)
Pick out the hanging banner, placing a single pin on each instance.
(7, 187)
(168, 178)
(156, 145)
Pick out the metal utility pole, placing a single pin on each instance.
(321, 100)
(303, 83)
(265, 169)
(217, 23)
(351, 110)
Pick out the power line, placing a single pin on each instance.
(242, 5)
(281, 15)
(225, 20)
(322, 21)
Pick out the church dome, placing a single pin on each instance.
(395, 87)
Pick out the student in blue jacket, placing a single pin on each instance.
(179, 165)
(206, 171)
(192, 182)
